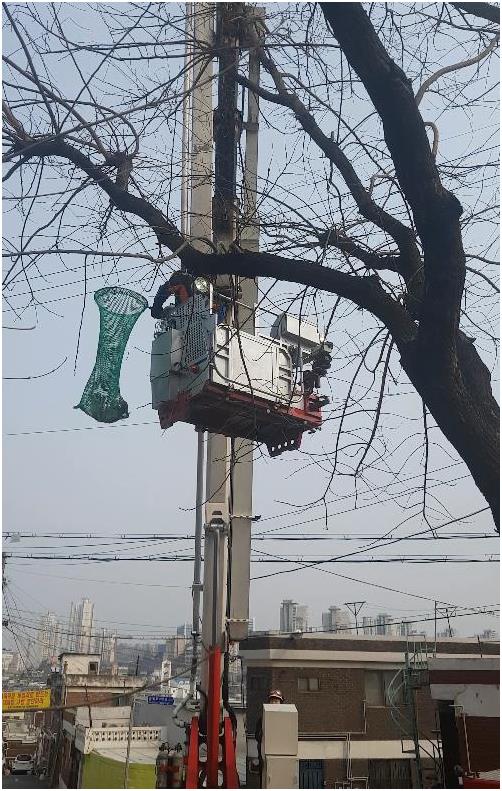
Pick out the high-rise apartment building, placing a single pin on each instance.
(336, 620)
(293, 616)
(384, 624)
(369, 627)
(85, 617)
(80, 637)
(48, 636)
(70, 639)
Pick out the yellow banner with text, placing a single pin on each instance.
(26, 699)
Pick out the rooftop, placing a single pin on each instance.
(77, 653)
(338, 642)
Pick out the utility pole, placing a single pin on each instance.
(355, 608)
(196, 196)
(411, 702)
(227, 514)
(129, 739)
(5, 621)
(244, 319)
(435, 627)
(220, 450)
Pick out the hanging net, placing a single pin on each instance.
(119, 310)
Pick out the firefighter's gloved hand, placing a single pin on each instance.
(160, 297)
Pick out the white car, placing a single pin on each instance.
(22, 763)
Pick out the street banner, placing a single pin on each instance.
(26, 699)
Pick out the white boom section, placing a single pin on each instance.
(242, 507)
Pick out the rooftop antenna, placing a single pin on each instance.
(355, 608)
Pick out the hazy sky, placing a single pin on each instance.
(64, 472)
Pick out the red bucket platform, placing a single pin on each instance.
(233, 413)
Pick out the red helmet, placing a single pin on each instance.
(276, 693)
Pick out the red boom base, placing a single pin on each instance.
(220, 741)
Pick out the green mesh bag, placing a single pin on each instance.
(119, 310)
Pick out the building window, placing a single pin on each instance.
(93, 668)
(308, 684)
(376, 684)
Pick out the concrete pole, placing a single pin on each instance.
(201, 150)
(197, 581)
(199, 227)
(200, 189)
(129, 738)
(218, 468)
(242, 506)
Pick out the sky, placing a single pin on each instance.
(63, 472)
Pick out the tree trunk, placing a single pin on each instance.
(462, 404)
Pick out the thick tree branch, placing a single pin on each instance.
(436, 211)
(363, 291)
(482, 10)
(166, 232)
(377, 261)
(410, 259)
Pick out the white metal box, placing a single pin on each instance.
(291, 330)
(280, 729)
(253, 364)
(280, 771)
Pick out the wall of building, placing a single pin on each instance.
(101, 772)
(80, 689)
(479, 743)
(337, 706)
(75, 664)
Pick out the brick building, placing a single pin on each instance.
(355, 713)
(468, 698)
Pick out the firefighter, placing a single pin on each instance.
(179, 284)
(275, 697)
(162, 767)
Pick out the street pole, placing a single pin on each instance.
(197, 581)
(219, 462)
(414, 720)
(245, 319)
(228, 465)
(435, 627)
(129, 739)
(198, 119)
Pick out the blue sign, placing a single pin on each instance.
(163, 700)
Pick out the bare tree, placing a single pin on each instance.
(363, 200)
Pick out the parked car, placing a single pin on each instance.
(22, 764)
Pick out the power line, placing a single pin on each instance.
(79, 428)
(364, 549)
(309, 506)
(373, 585)
(123, 694)
(486, 558)
(257, 537)
(161, 636)
(107, 582)
(410, 622)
